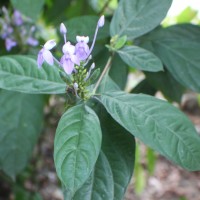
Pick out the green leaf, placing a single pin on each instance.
(144, 87)
(120, 42)
(137, 17)
(100, 184)
(119, 72)
(165, 82)
(158, 124)
(76, 147)
(178, 47)
(53, 8)
(140, 58)
(114, 167)
(85, 25)
(29, 8)
(21, 74)
(21, 119)
(119, 147)
(107, 84)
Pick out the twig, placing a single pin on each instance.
(106, 68)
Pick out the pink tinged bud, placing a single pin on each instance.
(101, 21)
(63, 29)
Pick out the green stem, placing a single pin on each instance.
(106, 69)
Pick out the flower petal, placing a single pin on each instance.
(40, 59)
(48, 57)
(82, 50)
(75, 60)
(68, 48)
(49, 44)
(68, 66)
(84, 39)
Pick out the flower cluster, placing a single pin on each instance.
(74, 59)
(15, 30)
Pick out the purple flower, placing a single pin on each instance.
(32, 41)
(10, 43)
(82, 49)
(6, 31)
(69, 59)
(17, 18)
(45, 54)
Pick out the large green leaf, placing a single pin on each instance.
(140, 58)
(144, 87)
(165, 82)
(53, 8)
(134, 18)
(29, 8)
(85, 25)
(21, 74)
(178, 47)
(107, 84)
(76, 147)
(158, 124)
(114, 167)
(100, 184)
(119, 72)
(20, 125)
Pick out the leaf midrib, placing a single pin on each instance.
(126, 104)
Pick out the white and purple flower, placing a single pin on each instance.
(69, 59)
(72, 55)
(45, 54)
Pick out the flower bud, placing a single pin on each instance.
(92, 66)
(63, 29)
(101, 21)
(75, 86)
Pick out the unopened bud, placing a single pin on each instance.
(63, 29)
(92, 66)
(101, 21)
(75, 86)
